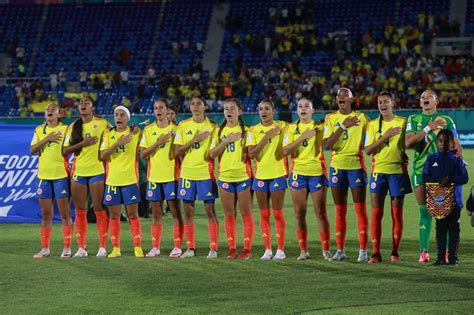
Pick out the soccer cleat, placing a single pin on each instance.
(43, 253)
(212, 254)
(66, 253)
(138, 252)
(340, 255)
(101, 253)
(267, 255)
(190, 252)
(362, 256)
(176, 252)
(81, 252)
(303, 255)
(327, 255)
(232, 254)
(424, 257)
(115, 253)
(279, 255)
(153, 252)
(245, 255)
(376, 258)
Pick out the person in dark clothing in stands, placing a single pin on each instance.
(446, 168)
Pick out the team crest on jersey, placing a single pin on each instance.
(225, 185)
(373, 185)
(334, 179)
(108, 197)
(39, 191)
(182, 192)
(294, 184)
(150, 193)
(260, 184)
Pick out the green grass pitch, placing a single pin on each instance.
(197, 285)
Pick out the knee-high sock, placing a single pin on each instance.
(178, 235)
(249, 230)
(341, 225)
(397, 228)
(102, 227)
(231, 231)
(265, 228)
(136, 231)
(213, 235)
(280, 226)
(302, 237)
(81, 228)
(189, 234)
(325, 238)
(424, 228)
(45, 234)
(376, 229)
(115, 232)
(362, 223)
(67, 235)
(156, 232)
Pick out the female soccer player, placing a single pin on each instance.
(197, 182)
(343, 134)
(235, 176)
(82, 139)
(171, 114)
(385, 141)
(53, 180)
(421, 135)
(303, 141)
(119, 149)
(264, 143)
(158, 147)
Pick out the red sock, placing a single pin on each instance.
(376, 228)
(231, 231)
(115, 232)
(102, 227)
(45, 234)
(362, 223)
(249, 231)
(302, 237)
(341, 225)
(397, 228)
(81, 227)
(189, 233)
(325, 240)
(177, 235)
(156, 231)
(136, 231)
(266, 228)
(213, 235)
(280, 227)
(67, 235)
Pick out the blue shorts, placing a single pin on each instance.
(87, 180)
(312, 183)
(117, 195)
(269, 185)
(191, 190)
(161, 191)
(53, 189)
(397, 184)
(235, 187)
(347, 178)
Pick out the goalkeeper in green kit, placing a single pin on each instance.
(421, 135)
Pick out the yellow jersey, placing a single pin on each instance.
(347, 151)
(308, 159)
(269, 164)
(87, 162)
(162, 165)
(391, 157)
(196, 164)
(51, 163)
(234, 162)
(122, 166)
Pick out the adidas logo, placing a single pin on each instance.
(189, 132)
(435, 164)
(113, 137)
(244, 185)
(134, 198)
(154, 134)
(209, 194)
(261, 132)
(64, 191)
(318, 185)
(358, 180)
(173, 194)
(276, 185)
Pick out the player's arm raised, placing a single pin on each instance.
(146, 152)
(347, 123)
(292, 147)
(182, 148)
(254, 150)
(52, 137)
(220, 148)
(412, 139)
(374, 147)
(106, 153)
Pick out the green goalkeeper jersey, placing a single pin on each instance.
(427, 145)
